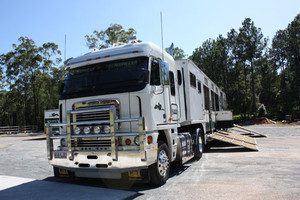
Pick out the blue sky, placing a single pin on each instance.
(185, 23)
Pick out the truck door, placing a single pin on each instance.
(160, 83)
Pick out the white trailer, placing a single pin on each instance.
(129, 111)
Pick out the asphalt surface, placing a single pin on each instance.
(223, 172)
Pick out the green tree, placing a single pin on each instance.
(251, 45)
(212, 58)
(178, 53)
(26, 66)
(113, 34)
(285, 55)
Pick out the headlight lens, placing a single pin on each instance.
(97, 129)
(137, 140)
(86, 130)
(63, 142)
(106, 129)
(77, 130)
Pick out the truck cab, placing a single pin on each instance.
(115, 105)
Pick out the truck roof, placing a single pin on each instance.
(118, 52)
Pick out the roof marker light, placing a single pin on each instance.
(107, 56)
(97, 58)
(135, 51)
(88, 59)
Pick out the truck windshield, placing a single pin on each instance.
(127, 75)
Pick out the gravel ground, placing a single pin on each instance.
(223, 173)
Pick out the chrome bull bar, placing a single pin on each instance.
(71, 114)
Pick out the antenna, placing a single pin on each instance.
(65, 48)
(162, 36)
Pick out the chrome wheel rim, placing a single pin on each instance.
(163, 163)
(200, 144)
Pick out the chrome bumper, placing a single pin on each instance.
(116, 158)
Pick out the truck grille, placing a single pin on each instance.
(94, 104)
(94, 145)
(101, 115)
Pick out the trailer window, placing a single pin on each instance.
(213, 101)
(206, 97)
(192, 80)
(179, 77)
(172, 83)
(217, 102)
(199, 86)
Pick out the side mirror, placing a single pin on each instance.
(164, 73)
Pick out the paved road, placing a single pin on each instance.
(222, 173)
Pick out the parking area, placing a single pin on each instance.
(223, 172)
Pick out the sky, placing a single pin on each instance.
(186, 23)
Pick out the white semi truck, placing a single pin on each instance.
(130, 111)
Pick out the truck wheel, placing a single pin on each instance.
(198, 146)
(159, 171)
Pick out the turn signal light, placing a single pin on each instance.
(127, 141)
(149, 139)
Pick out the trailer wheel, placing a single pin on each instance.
(159, 171)
(198, 146)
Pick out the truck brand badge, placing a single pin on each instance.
(158, 106)
(54, 114)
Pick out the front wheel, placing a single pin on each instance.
(159, 171)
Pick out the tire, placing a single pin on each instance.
(159, 171)
(198, 146)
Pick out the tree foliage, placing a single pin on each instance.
(178, 53)
(113, 34)
(252, 74)
(285, 55)
(31, 82)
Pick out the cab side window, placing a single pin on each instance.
(155, 77)
(172, 83)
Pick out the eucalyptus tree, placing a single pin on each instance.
(26, 67)
(106, 38)
(251, 46)
(285, 54)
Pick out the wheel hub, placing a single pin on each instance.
(163, 163)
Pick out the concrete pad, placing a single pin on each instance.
(30, 189)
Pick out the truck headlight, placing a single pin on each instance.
(63, 142)
(77, 131)
(137, 140)
(87, 130)
(106, 129)
(97, 129)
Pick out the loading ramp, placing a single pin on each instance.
(235, 139)
(246, 131)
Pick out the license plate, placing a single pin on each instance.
(63, 172)
(62, 155)
(134, 175)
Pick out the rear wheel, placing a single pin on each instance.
(159, 171)
(198, 146)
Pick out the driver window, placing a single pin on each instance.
(155, 77)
